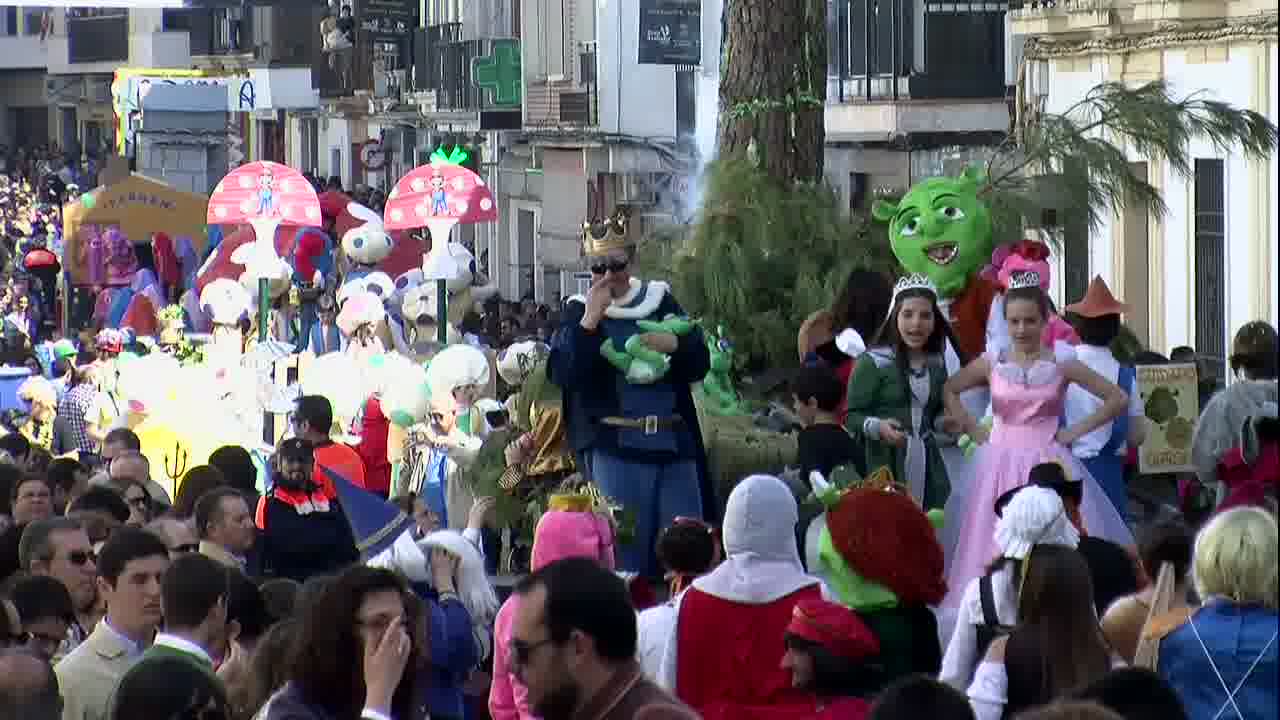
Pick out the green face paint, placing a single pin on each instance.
(941, 228)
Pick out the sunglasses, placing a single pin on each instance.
(615, 266)
(522, 652)
(80, 557)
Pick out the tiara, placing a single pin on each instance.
(915, 281)
(1024, 279)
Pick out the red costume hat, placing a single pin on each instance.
(1098, 301)
(834, 627)
(886, 538)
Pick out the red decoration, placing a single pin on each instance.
(1032, 250)
(868, 520)
(441, 192)
(264, 191)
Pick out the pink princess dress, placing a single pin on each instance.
(1027, 405)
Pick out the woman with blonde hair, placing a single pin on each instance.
(1223, 658)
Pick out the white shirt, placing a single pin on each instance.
(1080, 403)
(962, 652)
(182, 645)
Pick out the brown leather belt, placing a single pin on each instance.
(651, 424)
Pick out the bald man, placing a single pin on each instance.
(28, 688)
(132, 466)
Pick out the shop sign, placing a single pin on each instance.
(670, 32)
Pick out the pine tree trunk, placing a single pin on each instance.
(773, 85)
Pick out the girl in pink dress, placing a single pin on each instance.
(1028, 385)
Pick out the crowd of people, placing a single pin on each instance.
(955, 538)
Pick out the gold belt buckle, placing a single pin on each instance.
(651, 425)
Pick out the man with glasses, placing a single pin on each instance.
(626, 360)
(574, 648)
(303, 530)
(59, 548)
(175, 534)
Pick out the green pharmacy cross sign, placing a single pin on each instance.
(500, 73)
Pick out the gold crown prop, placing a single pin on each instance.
(606, 236)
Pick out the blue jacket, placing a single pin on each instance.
(453, 656)
(595, 389)
(1242, 646)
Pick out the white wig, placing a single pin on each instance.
(473, 583)
(474, 590)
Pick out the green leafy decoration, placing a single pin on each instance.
(761, 257)
(1075, 162)
(456, 156)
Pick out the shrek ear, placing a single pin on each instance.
(883, 210)
(974, 174)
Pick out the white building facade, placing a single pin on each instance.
(1195, 275)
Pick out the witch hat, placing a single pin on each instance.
(375, 523)
(1098, 301)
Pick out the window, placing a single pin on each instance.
(1137, 261)
(1210, 259)
(526, 252)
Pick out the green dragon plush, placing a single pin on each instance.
(943, 228)
(717, 387)
(641, 364)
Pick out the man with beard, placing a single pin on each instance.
(574, 647)
(303, 530)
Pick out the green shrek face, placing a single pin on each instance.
(941, 229)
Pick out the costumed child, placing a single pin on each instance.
(358, 318)
(1097, 319)
(895, 394)
(324, 335)
(1028, 389)
(831, 653)
(892, 591)
(571, 528)
(438, 452)
(1006, 262)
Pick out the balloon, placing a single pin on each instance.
(89, 200)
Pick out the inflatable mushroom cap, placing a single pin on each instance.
(456, 366)
(360, 308)
(518, 360)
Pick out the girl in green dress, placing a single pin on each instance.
(895, 393)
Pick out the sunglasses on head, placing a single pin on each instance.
(602, 267)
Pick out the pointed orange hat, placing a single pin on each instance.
(1098, 301)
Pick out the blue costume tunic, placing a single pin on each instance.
(659, 475)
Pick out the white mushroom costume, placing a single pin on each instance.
(466, 290)
(225, 302)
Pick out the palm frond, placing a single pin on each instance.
(1076, 162)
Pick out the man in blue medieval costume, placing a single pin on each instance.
(626, 356)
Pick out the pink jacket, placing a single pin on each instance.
(559, 535)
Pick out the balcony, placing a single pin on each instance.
(99, 37)
(466, 81)
(877, 52)
(566, 104)
(346, 72)
(23, 52)
(221, 33)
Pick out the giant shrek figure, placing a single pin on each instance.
(942, 229)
